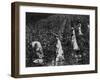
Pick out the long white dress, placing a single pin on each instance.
(74, 41)
(79, 29)
(59, 52)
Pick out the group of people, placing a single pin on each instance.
(39, 52)
(59, 51)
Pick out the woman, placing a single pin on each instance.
(37, 48)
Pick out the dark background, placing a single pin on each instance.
(39, 26)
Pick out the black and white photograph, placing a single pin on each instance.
(57, 39)
(51, 39)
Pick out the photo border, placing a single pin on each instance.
(15, 32)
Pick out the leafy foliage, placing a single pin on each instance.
(44, 30)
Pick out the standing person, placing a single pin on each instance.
(79, 27)
(74, 41)
(59, 51)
